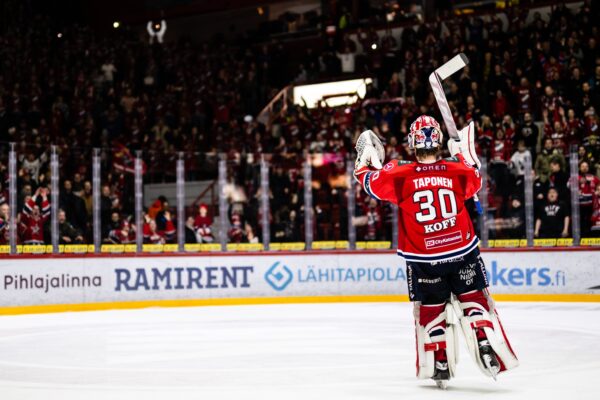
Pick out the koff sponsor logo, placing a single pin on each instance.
(443, 240)
(440, 226)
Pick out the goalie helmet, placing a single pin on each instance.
(425, 133)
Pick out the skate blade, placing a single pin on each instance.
(442, 384)
(491, 369)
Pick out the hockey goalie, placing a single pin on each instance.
(445, 273)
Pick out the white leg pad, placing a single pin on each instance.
(493, 330)
(427, 345)
(452, 322)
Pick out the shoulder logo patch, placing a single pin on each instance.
(403, 162)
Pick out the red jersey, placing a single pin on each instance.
(32, 228)
(433, 224)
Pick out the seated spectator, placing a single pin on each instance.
(249, 235)
(157, 212)
(34, 217)
(236, 232)
(553, 219)
(125, 234)
(190, 231)
(67, 233)
(202, 225)
(288, 229)
(154, 236)
(513, 224)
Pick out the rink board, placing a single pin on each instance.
(81, 283)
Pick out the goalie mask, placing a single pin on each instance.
(425, 133)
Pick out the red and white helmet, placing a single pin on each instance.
(425, 133)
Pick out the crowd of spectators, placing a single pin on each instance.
(532, 88)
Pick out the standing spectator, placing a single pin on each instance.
(524, 97)
(3, 194)
(4, 223)
(88, 198)
(595, 222)
(105, 209)
(374, 220)
(574, 129)
(558, 179)
(68, 200)
(108, 70)
(519, 160)
(499, 105)
(542, 162)
(529, 133)
(347, 59)
(587, 188)
(500, 150)
(33, 165)
(33, 217)
(553, 219)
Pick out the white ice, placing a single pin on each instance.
(303, 351)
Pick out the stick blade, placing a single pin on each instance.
(455, 64)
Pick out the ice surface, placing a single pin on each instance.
(303, 351)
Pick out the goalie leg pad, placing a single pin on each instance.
(478, 317)
(436, 340)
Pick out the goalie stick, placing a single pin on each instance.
(435, 80)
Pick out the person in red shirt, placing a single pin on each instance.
(595, 228)
(500, 153)
(5, 224)
(587, 187)
(438, 242)
(124, 235)
(202, 225)
(154, 236)
(33, 218)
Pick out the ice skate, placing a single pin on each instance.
(441, 375)
(489, 359)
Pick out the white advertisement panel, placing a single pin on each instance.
(118, 279)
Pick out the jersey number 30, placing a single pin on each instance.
(426, 198)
